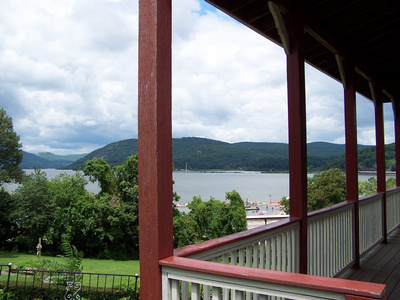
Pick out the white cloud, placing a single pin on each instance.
(69, 77)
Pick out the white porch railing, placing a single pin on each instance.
(330, 240)
(392, 209)
(185, 279)
(370, 222)
(272, 249)
(220, 267)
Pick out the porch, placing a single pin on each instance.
(381, 265)
(296, 258)
(263, 262)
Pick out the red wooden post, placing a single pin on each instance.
(154, 143)
(380, 157)
(351, 152)
(297, 132)
(396, 113)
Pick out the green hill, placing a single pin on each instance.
(207, 154)
(46, 160)
(367, 159)
(201, 154)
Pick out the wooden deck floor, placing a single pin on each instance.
(381, 265)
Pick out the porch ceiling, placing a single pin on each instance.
(366, 32)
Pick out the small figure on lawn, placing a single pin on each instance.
(39, 249)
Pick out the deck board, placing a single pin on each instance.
(381, 265)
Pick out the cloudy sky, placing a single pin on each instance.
(68, 78)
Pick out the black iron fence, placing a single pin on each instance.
(43, 285)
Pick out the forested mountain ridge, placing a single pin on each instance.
(46, 160)
(207, 154)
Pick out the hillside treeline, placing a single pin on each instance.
(199, 154)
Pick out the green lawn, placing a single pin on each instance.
(129, 267)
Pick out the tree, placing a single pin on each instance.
(324, 189)
(10, 152)
(33, 210)
(7, 227)
(370, 186)
(68, 194)
(116, 209)
(210, 219)
(98, 169)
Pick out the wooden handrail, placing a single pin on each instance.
(211, 244)
(335, 285)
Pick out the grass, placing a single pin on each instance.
(129, 267)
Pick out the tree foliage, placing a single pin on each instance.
(103, 225)
(10, 152)
(210, 219)
(33, 209)
(370, 186)
(329, 188)
(324, 189)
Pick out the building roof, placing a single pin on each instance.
(365, 32)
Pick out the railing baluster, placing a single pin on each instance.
(195, 293)
(234, 258)
(242, 260)
(268, 252)
(249, 256)
(217, 293)
(175, 290)
(279, 253)
(185, 290)
(207, 292)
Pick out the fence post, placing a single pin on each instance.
(136, 280)
(9, 274)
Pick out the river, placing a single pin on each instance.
(252, 186)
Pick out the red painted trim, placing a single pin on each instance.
(297, 131)
(154, 143)
(348, 287)
(219, 242)
(380, 144)
(380, 157)
(351, 133)
(351, 153)
(352, 297)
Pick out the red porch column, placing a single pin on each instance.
(154, 143)
(351, 152)
(297, 132)
(396, 113)
(380, 157)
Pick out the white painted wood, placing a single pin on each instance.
(329, 241)
(262, 255)
(185, 290)
(242, 260)
(249, 256)
(166, 286)
(280, 25)
(207, 292)
(256, 256)
(175, 290)
(370, 222)
(234, 258)
(392, 210)
(195, 292)
(247, 286)
(216, 293)
(268, 252)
